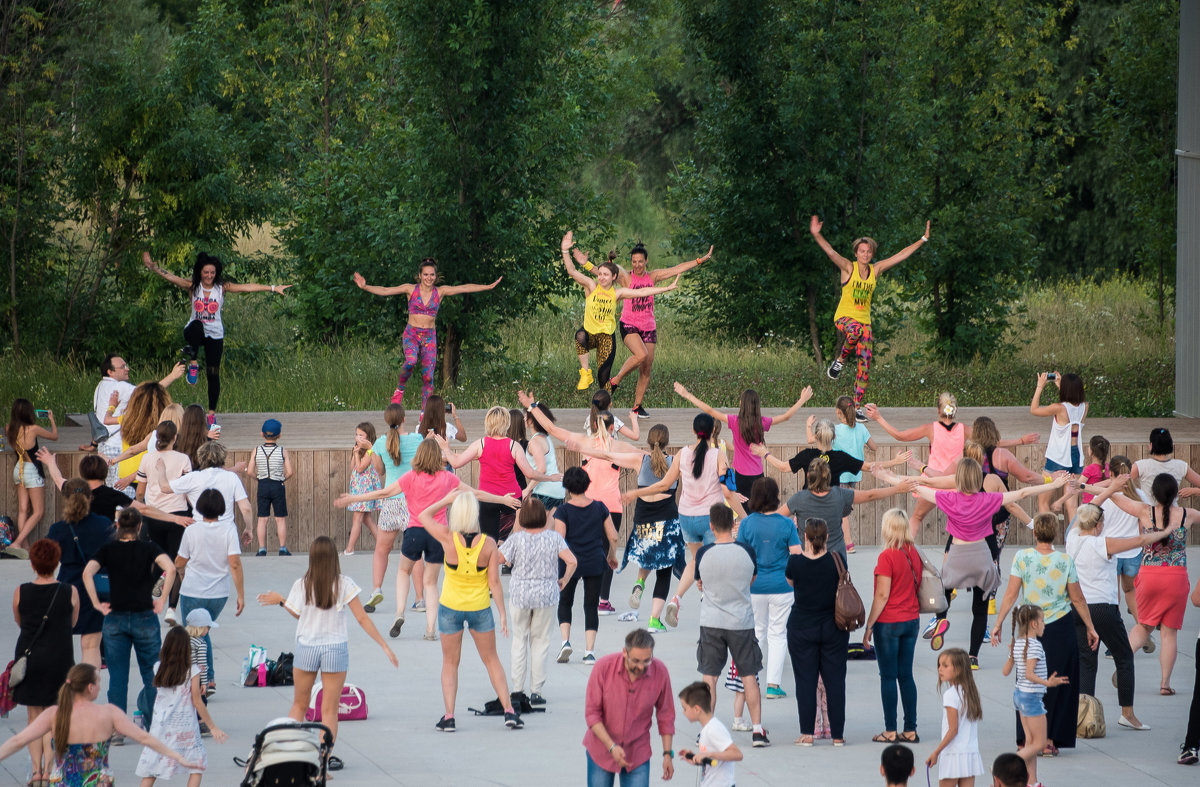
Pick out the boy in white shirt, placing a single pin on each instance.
(716, 752)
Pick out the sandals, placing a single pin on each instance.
(335, 763)
(883, 738)
(910, 737)
(1166, 691)
(804, 740)
(1050, 750)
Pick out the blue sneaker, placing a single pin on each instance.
(928, 632)
(193, 372)
(283, 552)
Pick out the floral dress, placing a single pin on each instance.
(361, 483)
(84, 765)
(175, 724)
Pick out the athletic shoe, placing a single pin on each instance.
(860, 415)
(939, 634)
(398, 398)
(991, 606)
(158, 588)
(445, 724)
(1108, 654)
(835, 369)
(635, 595)
(205, 732)
(117, 739)
(564, 653)
(513, 721)
(397, 624)
(641, 412)
(193, 372)
(210, 689)
(419, 605)
(1188, 756)
(212, 420)
(850, 550)
(775, 693)
(262, 552)
(927, 633)
(172, 616)
(760, 739)
(374, 601)
(585, 380)
(589, 659)
(283, 552)
(974, 663)
(1150, 645)
(612, 386)
(536, 699)
(741, 725)
(606, 608)
(656, 625)
(671, 613)
(429, 636)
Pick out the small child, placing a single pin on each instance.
(363, 479)
(1097, 470)
(1008, 770)
(272, 468)
(198, 623)
(716, 752)
(733, 682)
(896, 762)
(1032, 682)
(957, 754)
(175, 714)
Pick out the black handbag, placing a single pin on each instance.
(20, 665)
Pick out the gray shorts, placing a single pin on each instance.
(334, 657)
(715, 645)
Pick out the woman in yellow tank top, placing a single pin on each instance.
(600, 312)
(472, 581)
(853, 315)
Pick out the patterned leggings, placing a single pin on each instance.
(856, 339)
(605, 345)
(420, 349)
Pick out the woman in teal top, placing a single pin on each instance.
(394, 450)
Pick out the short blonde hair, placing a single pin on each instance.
(464, 512)
(428, 457)
(823, 433)
(968, 476)
(1045, 527)
(496, 422)
(1089, 516)
(894, 528)
(947, 404)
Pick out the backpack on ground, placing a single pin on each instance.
(1090, 720)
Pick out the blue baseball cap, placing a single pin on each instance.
(200, 618)
(272, 426)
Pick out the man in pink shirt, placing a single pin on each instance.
(624, 690)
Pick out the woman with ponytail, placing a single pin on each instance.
(80, 535)
(82, 729)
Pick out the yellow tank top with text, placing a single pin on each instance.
(856, 297)
(465, 587)
(600, 310)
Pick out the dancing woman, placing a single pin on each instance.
(208, 288)
(420, 334)
(600, 313)
(853, 315)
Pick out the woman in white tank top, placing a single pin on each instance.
(1064, 448)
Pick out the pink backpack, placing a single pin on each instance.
(352, 705)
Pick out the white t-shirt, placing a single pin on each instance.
(1149, 468)
(714, 737)
(224, 481)
(177, 465)
(1097, 571)
(967, 739)
(103, 393)
(322, 626)
(207, 547)
(1119, 524)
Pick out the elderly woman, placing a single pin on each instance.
(816, 644)
(894, 621)
(1095, 557)
(1049, 579)
(79, 536)
(45, 609)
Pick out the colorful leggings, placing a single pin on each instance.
(605, 345)
(420, 349)
(856, 339)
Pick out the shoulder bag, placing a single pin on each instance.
(848, 611)
(17, 669)
(931, 596)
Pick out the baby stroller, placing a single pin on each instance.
(288, 752)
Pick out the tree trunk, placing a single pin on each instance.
(451, 356)
(813, 333)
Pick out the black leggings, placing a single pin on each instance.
(662, 583)
(607, 577)
(591, 601)
(194, 336)
(167, 535)
(979, 601)
(1191, 738)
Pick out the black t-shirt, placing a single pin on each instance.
(106, 501)
(814, 584)
(131, 576)
(585, 536)
(839, 462)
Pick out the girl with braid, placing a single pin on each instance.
(420, 334)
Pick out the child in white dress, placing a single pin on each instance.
(176, 707)
(957, 755)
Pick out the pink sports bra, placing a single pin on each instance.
(417, 306)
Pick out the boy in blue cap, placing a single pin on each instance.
(272, 466)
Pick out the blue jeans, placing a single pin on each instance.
(894, 647)
(122, 631)
(598, 777)
(214, 607)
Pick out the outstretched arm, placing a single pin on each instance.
(717, 414)
(903, 254)
(554, 430)
(906, 436)
(683, 267)
(1036, 406)
(463, 289)
(805, 395)
(644, 292)
(277, 289)
(178, 281)
(583, 281)
(844, 265)
(374, 289)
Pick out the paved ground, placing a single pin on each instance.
(398, 744)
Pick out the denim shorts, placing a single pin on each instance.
(695, 529)
(451, 621)
(26, 474)
(1129, 566)
(334, 657)
(1029, 703)
(1075, 468)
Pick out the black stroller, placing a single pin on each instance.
(288, 752)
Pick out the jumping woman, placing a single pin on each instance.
(208, 288)
(600, 313)
(853, 315)
(420, 334)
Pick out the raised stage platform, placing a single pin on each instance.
(320, 444)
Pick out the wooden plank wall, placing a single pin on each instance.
(321, 475)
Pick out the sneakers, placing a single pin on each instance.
(656, 625)
(850, 550)
(262, 552)
(172, 616)
(635, 595)
(283, 552)
(397, 624)
(513, 721)
(445, 724)
(775, 693)
(835, 368)
(671, 612)
(589, 659)
(418, 605)
(374, 601)
(641, 412)
(564, 653)
(536, 699)
(398, 398)
(761, 740)
(975, 663)
(117, 739)
(927, 633)
(860, 415)
(205, 732)
(1188, 756)
(193, 372)
(585, 380)
(606, 608)
(212, 420)
(938, 638)
(1150, 645)
(741, 725)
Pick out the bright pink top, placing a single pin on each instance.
(698, 495)
(497, 471)
(422, 490)
(744, 462)
(417, 306)
(946, 447)
(969, 517)
(1092, 474)
(606, 483)
(639, 312)
(625, 707)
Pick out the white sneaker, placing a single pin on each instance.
(741, 725)
(172, 617)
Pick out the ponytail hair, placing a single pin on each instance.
(79, 500)
(845, 406)
(78, 679)
(702, 426)
(601, 401)
(393, 416)
(1164, 489)
(1022, 617)
(1122, 465)
(164, 434)
(1100, 448)
(657, 439)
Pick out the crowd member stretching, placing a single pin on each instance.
(395, 450)
(600, 313)
(637, 326)
(208, 289)
(1064, 448)
(748, 427)
(853, 315)
(587, 527)
(420, 334)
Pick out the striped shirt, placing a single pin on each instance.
(1020, 655)
(268, 462)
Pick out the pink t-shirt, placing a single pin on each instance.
(1092, 474)
(969, 517)
(744, 462)
(698, 495)
(639, 312)
(422, 490)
